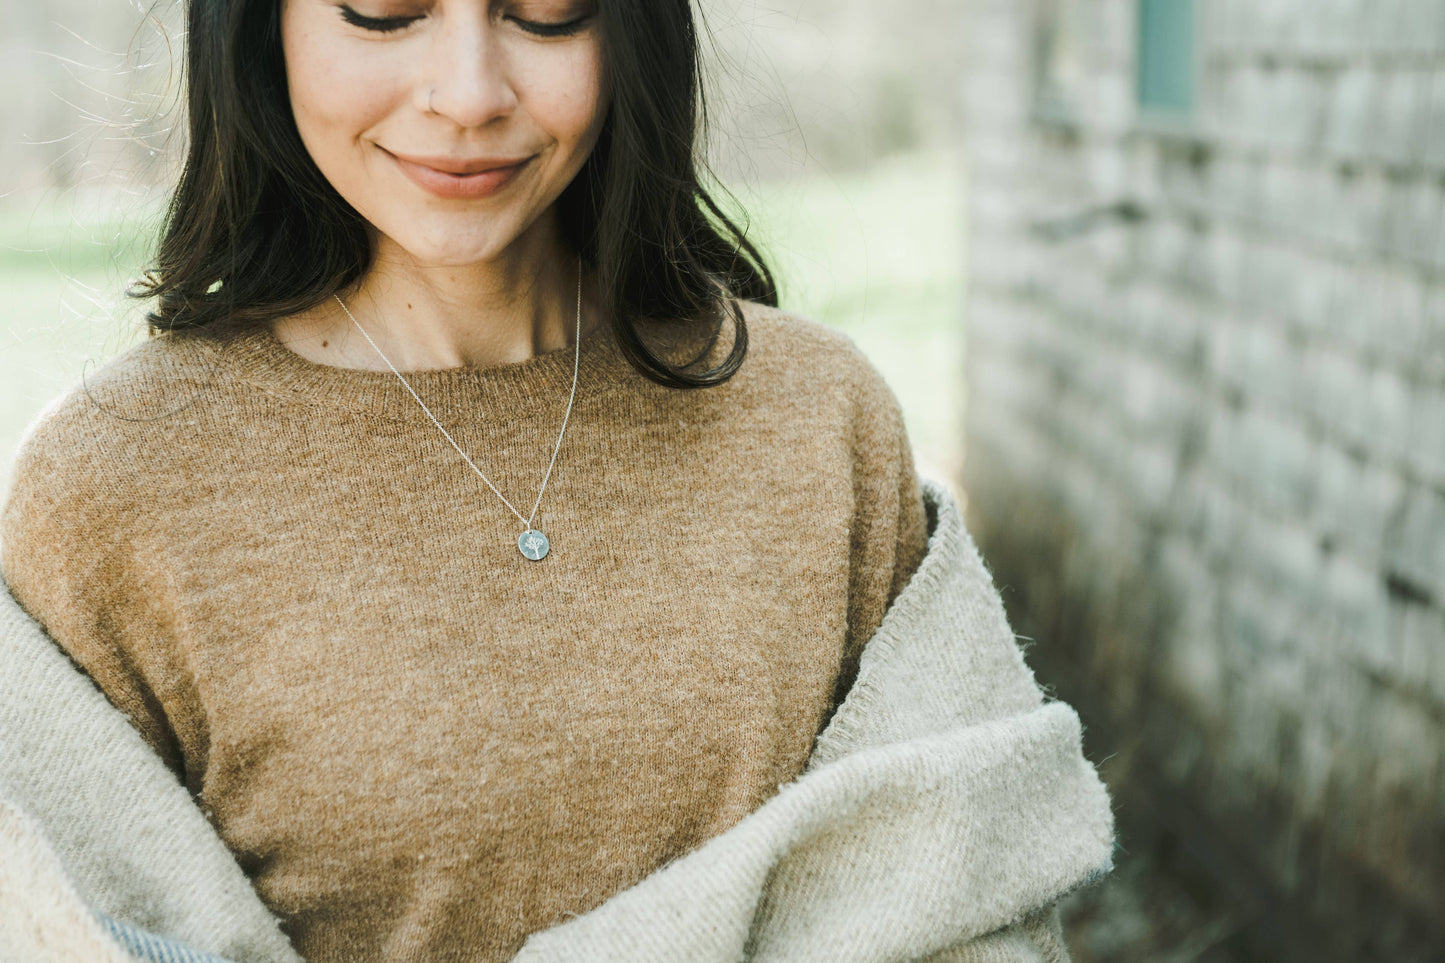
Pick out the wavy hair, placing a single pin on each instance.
(254, 231)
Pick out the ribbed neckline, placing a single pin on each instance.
(260, 358)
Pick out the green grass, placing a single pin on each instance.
(64, 264)
(878, 255)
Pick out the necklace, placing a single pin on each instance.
(531, 543)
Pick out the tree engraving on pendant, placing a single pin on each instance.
(533, 544)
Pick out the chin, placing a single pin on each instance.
(451, 251)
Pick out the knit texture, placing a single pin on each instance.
(944, 811)
(92, 820)
(416, 743)
(946, 805)
(42, 917)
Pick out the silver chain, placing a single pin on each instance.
(576, 358)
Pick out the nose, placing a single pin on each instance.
(469, 78)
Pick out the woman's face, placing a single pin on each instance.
(450, 125)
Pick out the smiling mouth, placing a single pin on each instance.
(460, 178)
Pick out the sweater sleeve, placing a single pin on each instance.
(1039, 935)
(889, 532)
(71, 556)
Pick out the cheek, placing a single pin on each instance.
(566, 95)
(333, 95)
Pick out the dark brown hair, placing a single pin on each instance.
(255, 232)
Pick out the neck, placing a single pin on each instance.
(428, 316)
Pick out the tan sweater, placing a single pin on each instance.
(419, 744)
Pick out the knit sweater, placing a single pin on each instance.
(418, 743)
(944, 810)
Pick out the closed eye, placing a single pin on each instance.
(541, 29)
(377, 24)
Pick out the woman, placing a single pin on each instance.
(474, 537)
(476, 540)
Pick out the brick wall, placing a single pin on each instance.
(1206, 430)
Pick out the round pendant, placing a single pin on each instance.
(533, 544)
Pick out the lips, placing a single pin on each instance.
(460, 177)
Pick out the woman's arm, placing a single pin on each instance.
(889, 532)
(73, 555)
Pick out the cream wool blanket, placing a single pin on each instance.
(945, 809)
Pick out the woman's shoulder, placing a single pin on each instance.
(131, 388)
(95, 437)
(794, 353)
(782, 336)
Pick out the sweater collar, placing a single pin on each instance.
(258, 357)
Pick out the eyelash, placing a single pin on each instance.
(393, 24)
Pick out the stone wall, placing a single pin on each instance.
(1206, 433)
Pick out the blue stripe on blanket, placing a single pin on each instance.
(152, 948)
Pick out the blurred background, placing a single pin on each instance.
(1161, 287)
